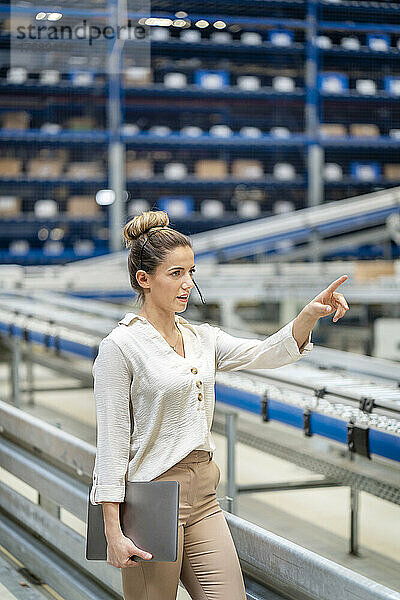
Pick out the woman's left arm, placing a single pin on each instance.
(322, 305)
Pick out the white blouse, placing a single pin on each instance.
(172, 397)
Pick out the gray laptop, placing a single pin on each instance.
(148, 516)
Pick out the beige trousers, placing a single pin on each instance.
(207, 563)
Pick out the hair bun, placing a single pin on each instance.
(143, 223)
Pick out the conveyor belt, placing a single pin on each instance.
(334, 398)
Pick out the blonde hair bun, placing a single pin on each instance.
(143, 223)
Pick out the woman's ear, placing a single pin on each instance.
(143, 278)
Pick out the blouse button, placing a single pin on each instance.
(199, 383)
(194, 370)
(200, 396)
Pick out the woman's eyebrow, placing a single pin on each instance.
(179, 268)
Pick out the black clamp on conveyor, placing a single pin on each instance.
(47, 336)
(366, 404)
(307, 422)
(318, 393)
(11, 324)
(26, 330)
(57, 344)
(264, 407)
(358, 439)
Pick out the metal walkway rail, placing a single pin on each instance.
(58, 466)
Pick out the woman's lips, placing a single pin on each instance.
(183, 299)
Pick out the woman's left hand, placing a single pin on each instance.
(329, 301)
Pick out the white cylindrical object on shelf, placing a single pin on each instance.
(19, 247)
(190, 35)
(280, 132)
(350, 43)
(220, 131)
(250, 132)
(284, 171)
(175, 80)
(52, 128)
(248, 82)
(281, 207)
(283, 84)
(17, 75)
(161, 130)
(45, 208)
(252, 38)
(324, 42)
(212, 208)
(221, 37)
(130, 129)
(366, 86)
(137, 206)
(159, 34)
(175, 171)
(333, 172)
(192, 131)
(248, 208)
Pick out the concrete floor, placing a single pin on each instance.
(317, 519)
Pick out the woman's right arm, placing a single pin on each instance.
(112, 382)
(112, 525)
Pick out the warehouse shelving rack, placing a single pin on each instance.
(305, 108)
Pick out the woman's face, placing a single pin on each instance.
(171, 279)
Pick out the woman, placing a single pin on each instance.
(162, 368)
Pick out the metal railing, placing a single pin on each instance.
(57, 467)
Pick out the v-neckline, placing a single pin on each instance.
(164, 340)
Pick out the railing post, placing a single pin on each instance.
(354, 506)
(231, 427)
(15, 371)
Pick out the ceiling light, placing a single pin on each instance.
(219, 25)
(179, 23)
(158, 22)
(54, 16)
(202, 24)
(105, 197)
(40, 16)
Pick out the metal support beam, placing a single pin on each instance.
(354, 506)
(15, 371)
(116, 149)
(231, 425)
(315, 153)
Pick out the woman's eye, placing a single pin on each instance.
(191, 272)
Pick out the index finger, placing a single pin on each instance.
(335, 284)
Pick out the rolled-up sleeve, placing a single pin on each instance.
(112, 381)
(234, 353)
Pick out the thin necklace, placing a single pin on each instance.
(179, 334)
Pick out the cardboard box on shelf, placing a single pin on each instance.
(51, 153)
(45, 169)
(80, 123)
(141, 168)
(136, 76)
(211, 169)
(9, 167)
(15, 119)
(392, 172)
(332, 129)
(364, 130)
(84, 170)
(370, 270)
(82, 206)
(10, 206)
(247, 169)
